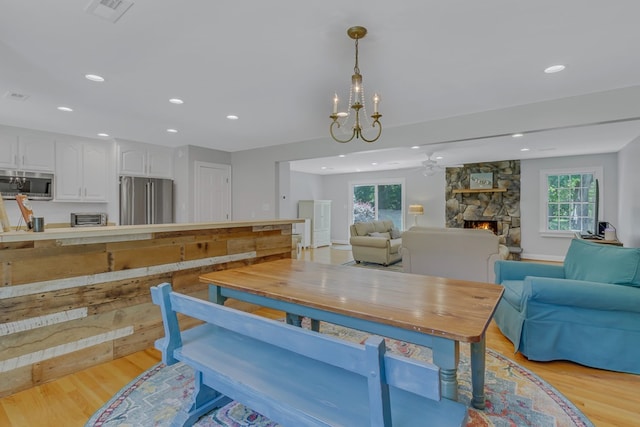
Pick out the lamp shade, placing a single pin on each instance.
(416, 210)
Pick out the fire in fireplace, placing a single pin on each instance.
(484, 224)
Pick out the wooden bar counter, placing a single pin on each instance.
(76, 297)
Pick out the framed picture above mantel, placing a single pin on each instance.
(481, 180)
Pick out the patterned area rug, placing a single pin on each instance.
(515, 396)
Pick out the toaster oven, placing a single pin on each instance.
(88, 219)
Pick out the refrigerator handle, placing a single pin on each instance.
(126, 202)
(147, 197)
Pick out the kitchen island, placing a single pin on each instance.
(76, 297)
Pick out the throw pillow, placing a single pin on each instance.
(603, 263)
(395, 233)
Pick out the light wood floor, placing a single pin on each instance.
(607, 398)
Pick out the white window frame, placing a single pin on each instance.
(387, 181)
(597, 172)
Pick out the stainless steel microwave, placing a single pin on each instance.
(88, 219)
(34, 185)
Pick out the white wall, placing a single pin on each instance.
(184, 177)
(628, 225)
(536, 246)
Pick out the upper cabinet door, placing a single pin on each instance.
(28, 153)
(138, 159)
(9, 151)
(132, 160)
(160, 162)
(36, 154)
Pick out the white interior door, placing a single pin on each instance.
(212, 192)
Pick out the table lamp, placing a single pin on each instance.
(416, 210)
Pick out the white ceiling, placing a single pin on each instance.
(277, 64)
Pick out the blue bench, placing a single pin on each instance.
(294, 376)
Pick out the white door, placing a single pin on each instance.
(212, 192)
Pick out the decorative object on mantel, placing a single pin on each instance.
(356, 100)
(481, 180)
(416, 210)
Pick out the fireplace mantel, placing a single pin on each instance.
(478, 190)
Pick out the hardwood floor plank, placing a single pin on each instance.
(609, 399)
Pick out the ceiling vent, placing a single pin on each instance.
(16, 96)
(111, 10)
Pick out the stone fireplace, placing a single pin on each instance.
(498, 205)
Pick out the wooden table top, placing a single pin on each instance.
(449, 308)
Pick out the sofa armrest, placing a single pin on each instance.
(518, 270)
(579, 293)
(372, 242)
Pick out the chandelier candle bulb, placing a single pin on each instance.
(335, 103)
(376, 99)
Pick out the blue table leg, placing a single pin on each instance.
(315, 325)
(446, 355)
(294, 319)
(478, 356)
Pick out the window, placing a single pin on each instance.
(378, 201)
(569, 200)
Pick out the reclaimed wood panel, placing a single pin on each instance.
(66, 304)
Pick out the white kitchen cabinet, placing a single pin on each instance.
(319, 212)
(26, 153)
(138, 159)
(82, 171)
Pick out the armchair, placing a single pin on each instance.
(375, 241)
(586, 311)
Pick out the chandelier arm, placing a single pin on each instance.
(377, 136)
(335, 122)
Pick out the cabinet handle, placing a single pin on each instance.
(79, 192)
(23, 160)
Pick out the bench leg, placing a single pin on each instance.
(294, 319)
(203, 400)
(478, 358)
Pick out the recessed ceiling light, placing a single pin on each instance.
(323, 167)
(374, 163)
(177, 101)
(94, 78)
(103, 134)
(415, 147)
(554, 69)
(517, 135)
(232, 117)
(172, 130)
(342, 155)
(65, 109)
(524, 149)
(439, 157)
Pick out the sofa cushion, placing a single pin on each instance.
(377, 234)
(603, 263)
(364, 228)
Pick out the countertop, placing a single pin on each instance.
(133, 232)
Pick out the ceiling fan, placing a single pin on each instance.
(431, 165)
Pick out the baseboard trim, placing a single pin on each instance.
(539, 257)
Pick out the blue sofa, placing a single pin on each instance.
(586, 310)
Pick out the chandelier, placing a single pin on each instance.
(356, 100)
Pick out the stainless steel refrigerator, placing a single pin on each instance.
(145, 200)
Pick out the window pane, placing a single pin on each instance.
(390, 203)
(364, 203)
(570, 202)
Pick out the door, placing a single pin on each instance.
(212, 193)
